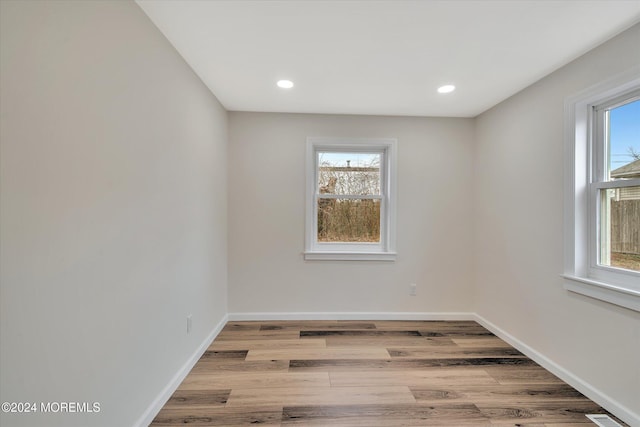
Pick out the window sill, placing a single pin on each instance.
(350, 256)
(623, 297)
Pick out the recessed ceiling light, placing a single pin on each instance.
(285, 84)
(446, 89)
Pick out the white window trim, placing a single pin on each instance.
(616, 286)
(386, 250)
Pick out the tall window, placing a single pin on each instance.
(350, 199)
(602, 191)
(615, 188)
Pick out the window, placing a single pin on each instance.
(615, 188)
(350, 199)
(602, 222)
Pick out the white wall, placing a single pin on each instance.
(113, 210)
(267, 272)
(519, 233)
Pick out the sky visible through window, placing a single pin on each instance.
(625, 133)
(339, 159)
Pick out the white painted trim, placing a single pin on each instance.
(386, 248)
(351, 316)
(150, 413)
(350, 256)
(623, 297)
(610, 404)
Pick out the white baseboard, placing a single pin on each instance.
(351, 316)
(611, 405)
(157, 404)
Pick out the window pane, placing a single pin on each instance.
(349, 173)
(349, 220)
(624, 141)
(620, 228)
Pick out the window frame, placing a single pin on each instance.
(385, 250)
(584, 178)
(600, 181)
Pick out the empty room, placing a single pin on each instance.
(319, 213)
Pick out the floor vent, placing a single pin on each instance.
(603, 420)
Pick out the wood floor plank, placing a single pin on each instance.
(328, 353)
(267, 344)
(395, 364)
(251, 330)
(533, 374)
(241, 327)
(224, 354)
(438, 341)
(321, 396)
(536, 424)
(488, 341)
(315, 325)
(443, 328)
(445, 378)
(383, 416)
(492, 392)
(456, 332)
(452, 352)
(240, 365)
(196, 399)
(258, 335)
(425, 324)
(576, 424)
(222, 417)
(357, 333)
(386, 341)
(234, 380)
(545, 412)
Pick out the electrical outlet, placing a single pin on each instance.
(412, 290)
(189, 323)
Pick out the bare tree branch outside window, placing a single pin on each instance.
(349, 219)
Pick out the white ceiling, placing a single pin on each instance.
(382, 57)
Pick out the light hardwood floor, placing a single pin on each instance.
(370, 373)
